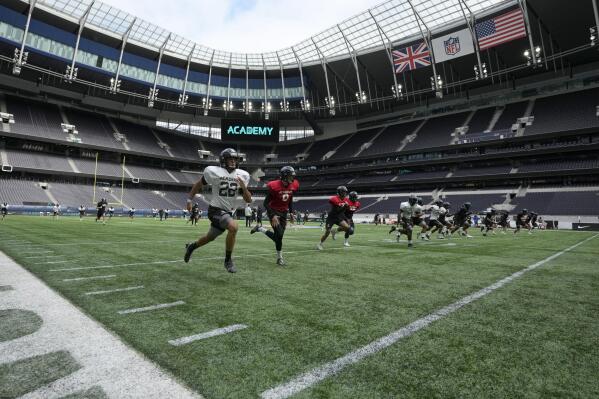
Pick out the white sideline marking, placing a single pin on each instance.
(52, 262)
(90, 278)
(318, 374)
(209, 334)
(153, 307)
(115, 290)
(106, 361)
(36, 252)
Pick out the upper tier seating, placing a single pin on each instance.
(390, 139)
(480, 121)
(436, 132)
(35, 119)
(94, 129)
(565, 112)
(352, 146)
(321, 148)
(139, 138)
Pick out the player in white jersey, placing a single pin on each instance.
(406, 212)
(226, 183)
(433, 222)
(418, 218)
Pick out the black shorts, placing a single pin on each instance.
(461, 222)
(81, 213)
(282, 217)
(416, 221)
(488, 223)
(219, 218)
(434, 223)
(335, 220)
(4, 212)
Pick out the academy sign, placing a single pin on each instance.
(261, 131)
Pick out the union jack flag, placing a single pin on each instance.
(411, 57)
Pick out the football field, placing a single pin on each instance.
(498, 316)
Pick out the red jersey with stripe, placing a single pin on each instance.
(352, 206)
(337, 205)
(281, 195)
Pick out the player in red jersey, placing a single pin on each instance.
(278, 204)
(352, 206)
(337, 215)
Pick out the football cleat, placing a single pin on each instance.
(346, 244)
(280, 262)
(319, 247)
(410, 245)
(189, 248)
(230, 266)
(468, 236)
(255, 229)
(393, 228)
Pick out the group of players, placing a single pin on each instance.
(440, 220)
(227, 182)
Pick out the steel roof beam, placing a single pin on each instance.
(21, 56)
(114, 85)
(70, 75)
(354, 57)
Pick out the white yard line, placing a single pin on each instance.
(42, 256)
(208, 334)
(318, 374)
(153, 307)
(52, 262)
(159, 262)
(90, 278)
(115, 290)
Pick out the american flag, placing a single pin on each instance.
(411, 57)
(501, 29)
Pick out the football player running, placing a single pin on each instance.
(226, 182)
(533, 222)
(521, 220)
(503, 221)
(489, 222)
(461, 220)
(418, 219)
(336, 215)
(352, 206)
(406, 212)
(278, 204)
(101, 210)
(4, 210)
(434, 223)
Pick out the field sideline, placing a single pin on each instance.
(266, 325)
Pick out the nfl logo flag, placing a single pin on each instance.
(501, 29)
(411, 57)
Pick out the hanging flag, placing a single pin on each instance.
(411, 57)
(453, 45)
(504, 28)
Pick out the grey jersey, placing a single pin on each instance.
(435, 212)
(224, 189)
(406, 210)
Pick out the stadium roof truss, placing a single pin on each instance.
(381, 27)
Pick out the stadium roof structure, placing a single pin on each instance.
(382, 26)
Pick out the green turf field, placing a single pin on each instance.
(535, 337)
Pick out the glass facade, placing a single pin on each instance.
(65, 51)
